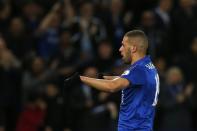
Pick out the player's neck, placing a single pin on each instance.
(136, 58)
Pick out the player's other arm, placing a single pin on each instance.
(106, 85)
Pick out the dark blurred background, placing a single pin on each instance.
(44, 41)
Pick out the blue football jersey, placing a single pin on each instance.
(139, 99)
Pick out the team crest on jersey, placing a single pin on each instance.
(126, 72)
(150, 66)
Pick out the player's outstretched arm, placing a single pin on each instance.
(110, 77)
(106, 85)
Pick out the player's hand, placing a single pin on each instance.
(73, 79)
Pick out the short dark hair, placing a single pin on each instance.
(136, 33)
(140, 34)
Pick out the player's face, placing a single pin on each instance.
(125, 51)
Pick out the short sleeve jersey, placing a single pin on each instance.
(139, 99)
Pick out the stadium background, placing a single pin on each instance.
(44, 41)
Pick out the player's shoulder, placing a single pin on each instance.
(138, 68)
(133, 69)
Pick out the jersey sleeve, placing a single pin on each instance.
(135, 76)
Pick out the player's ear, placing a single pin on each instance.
(133, 48)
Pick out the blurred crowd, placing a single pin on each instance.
(44, 41)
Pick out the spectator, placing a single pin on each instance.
(31, 13)
(32, 117)
(88, 31)
(163, 24)
(47, 33)
(105, 55)
(10, 77)
(56, 116)
(184, 25)
(5, 14)
(174, 101)
(67, 55)
(34, 80)
(18, 40)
